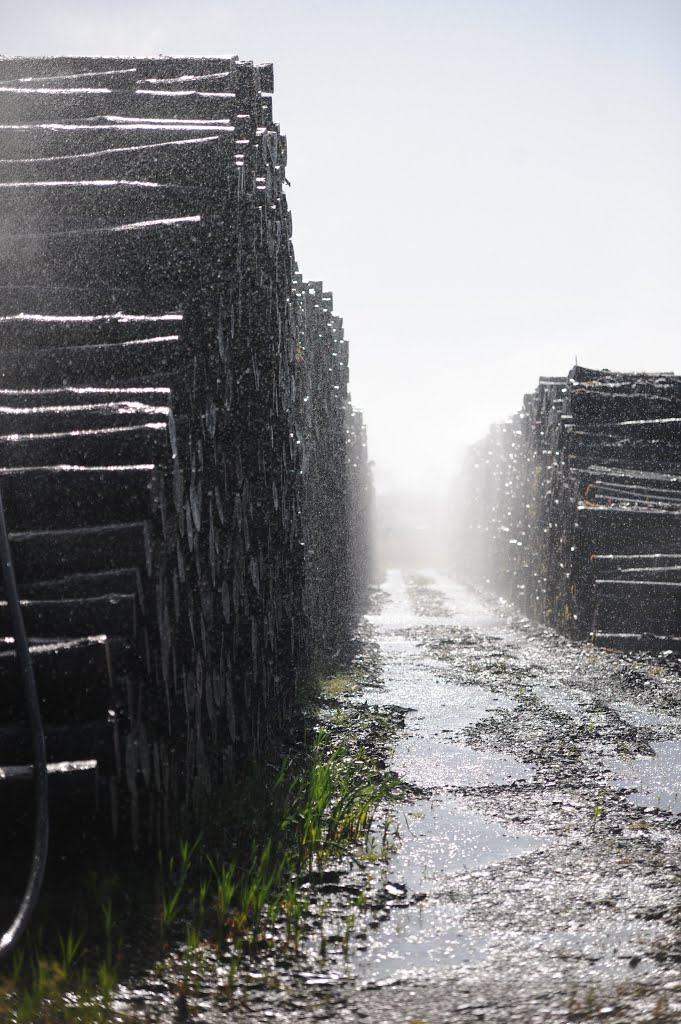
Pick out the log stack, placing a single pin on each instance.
(155, 361)
(571, 509)
(336, 492)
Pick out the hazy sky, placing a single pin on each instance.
(489, 188)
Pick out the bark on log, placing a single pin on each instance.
(168, 487)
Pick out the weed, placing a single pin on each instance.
(598, 809)
(237, 889)
(178, 876)
(339, 685)
(661, 1008)
(69, 947)
(350, 921)
(583, 1004)
(106, 982)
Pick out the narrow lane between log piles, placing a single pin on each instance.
(537, 876)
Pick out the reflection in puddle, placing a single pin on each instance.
(427, 755)
(440, 839)
(562, 699)
(642, 717)
(417, 941)
(655, 779)
(615, 949)
(440, 762)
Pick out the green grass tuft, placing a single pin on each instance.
(230, 890)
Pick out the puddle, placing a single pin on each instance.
(427, 754)
(397, 613)
(437, 761)
(642, 718)
(613, 950)
(563, 700)
(415, 681)
(465, 606)
(440, 840)
(459, 603)
(417, 942)
(654, 779)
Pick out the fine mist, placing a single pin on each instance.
(412, 531)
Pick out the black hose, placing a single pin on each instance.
(41, 835)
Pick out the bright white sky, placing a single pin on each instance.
(489, 187)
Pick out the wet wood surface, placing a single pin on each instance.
(185, 478)
(572, 509)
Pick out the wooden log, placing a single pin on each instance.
(72, 496)
(63, 743)
(30, 333)
(622, 530)
(92, 416)
(60, 206)
(161, 67)
(124, 446)
(100, 548)
(652, 643)
(132, 256)
(606, 565)
(88, 584)
(26, 105)
(71, 676)
(167, 153)
(116, 614)
(636, 605)
(39, 398)
(74, 298)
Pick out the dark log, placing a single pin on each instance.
(113, 614)
(88, 584)
(81, 549)
(576, 528)
(124, 446)
(58, 206)
(92, 416)
(166, 153)
(85, 741)
(23, 104)
(132, 256)
(640, 606)
(71, 676)
(185, 511)
(72, 496)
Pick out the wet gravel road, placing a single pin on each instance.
(538, 874)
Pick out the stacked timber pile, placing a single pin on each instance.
(572, 508)
(151, 425)
(336, 487)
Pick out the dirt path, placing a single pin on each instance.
(542, 862)
(537, 874)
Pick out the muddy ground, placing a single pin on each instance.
(534, 866)
(537, 876)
